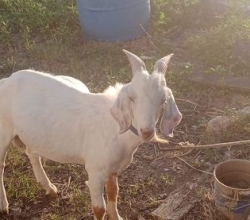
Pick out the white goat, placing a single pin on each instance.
(56, 117)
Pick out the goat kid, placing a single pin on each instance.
(56, 117)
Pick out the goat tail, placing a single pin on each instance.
(157, 139)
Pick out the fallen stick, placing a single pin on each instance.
(188, 146)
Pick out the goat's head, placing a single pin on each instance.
(144, 98)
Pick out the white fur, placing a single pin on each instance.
(56, 117)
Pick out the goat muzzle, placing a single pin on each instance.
(147, 134)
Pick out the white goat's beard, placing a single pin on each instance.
(158, 139)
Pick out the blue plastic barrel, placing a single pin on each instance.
(113, 20)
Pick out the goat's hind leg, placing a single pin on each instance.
(5, 140)
(40, 174)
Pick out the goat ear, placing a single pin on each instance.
(171, 117)
(162, 64)
(136, 63)
(121, 110)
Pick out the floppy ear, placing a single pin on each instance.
(162, 64)
(171, 117)
(121, 110)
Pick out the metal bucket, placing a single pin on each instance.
(113, 20)
(232, 188)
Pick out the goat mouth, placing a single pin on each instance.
(147, 139)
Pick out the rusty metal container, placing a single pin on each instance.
(232, 188)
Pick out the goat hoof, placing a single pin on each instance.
(52, 192)
(115, 218)
(4, 207)
(4, 212)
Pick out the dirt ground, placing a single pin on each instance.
(153, 174)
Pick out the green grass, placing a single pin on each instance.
(215, 40)
(26, 21)
(218, 46)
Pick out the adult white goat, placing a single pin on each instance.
(56, 117)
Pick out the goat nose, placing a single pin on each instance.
(147, 133)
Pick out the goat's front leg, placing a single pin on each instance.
(40, 174)
(96, 187)
(112, 189)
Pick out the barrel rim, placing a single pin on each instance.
(224, 185)
(111, 9)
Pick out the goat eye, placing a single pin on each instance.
(163, 100)
(131, 99)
